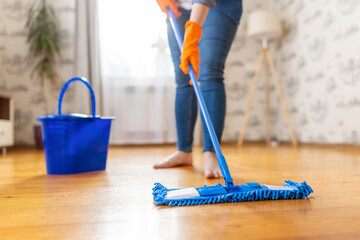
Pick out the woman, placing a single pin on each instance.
(209, 28)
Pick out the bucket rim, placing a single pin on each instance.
(73, 116)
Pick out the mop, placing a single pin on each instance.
(218, 193)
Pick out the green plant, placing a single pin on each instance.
(43, 37)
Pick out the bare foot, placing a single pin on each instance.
(211, 166)
(176, 159)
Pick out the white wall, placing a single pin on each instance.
(15, 66)
(15, 69)
(239, 72)
(318, 62)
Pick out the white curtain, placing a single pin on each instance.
(87, 59)
(137, 73)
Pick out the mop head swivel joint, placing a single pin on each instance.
(221, 194)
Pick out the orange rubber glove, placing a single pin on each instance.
(165, 4)
(190, 51)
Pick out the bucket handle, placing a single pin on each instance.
(66, 85)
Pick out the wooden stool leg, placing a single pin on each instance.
(267, 96)
(281, 96)
(251, 98)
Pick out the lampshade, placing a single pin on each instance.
(264, 24)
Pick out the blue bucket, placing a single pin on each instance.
(75, 143)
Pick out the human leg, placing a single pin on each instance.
(185, 104)
(218, 34)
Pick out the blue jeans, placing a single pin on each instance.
(217, 36)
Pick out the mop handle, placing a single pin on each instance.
(220, 157)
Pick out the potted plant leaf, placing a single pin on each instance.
(43, 36)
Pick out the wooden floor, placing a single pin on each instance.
(117, 203)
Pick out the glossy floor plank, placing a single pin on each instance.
(117, 203)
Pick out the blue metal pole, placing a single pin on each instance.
(220, 157)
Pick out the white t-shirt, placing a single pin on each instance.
(185, 4)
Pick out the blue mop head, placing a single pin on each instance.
(222, 194)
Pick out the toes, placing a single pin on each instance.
(213, 174)
(217, 174)
(174, 161)
(209, 174)
(157, 165)
(160, 165)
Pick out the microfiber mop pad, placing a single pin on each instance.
(222, 194)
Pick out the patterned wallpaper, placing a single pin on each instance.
(15, 65)
(239, 72)
(318, 63)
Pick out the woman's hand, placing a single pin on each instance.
(172, 4)
(190, 51)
